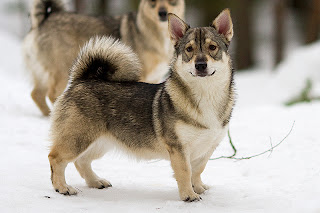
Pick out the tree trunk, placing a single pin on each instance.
(134, 4)
(101, 7)
(243, 34)
(279, 27)
(80, 6)
(313, 22)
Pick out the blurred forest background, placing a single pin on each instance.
(265, 30)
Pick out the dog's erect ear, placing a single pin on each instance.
(177, 27)
(223, 24)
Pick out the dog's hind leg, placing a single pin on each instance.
(57, 86)
(83, 165)
(73, 144)
(58, 163)
(38, 95)
(39, 75)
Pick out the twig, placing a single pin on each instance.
(256, 155)
(233, 147)
(271, 147)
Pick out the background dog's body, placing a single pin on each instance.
(183, 119)
(56, 37)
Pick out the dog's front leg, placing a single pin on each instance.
(182, 171)
(198, 166)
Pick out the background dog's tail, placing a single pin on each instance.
(108, 59)
(41, 10)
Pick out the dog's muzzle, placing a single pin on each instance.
(163, 14)
(201, 69)
(201, 66)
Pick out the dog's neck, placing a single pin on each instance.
(202, 98)
(152, 31)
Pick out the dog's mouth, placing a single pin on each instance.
(163, 19)
(203, 74)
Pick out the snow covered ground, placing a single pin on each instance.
(288, 180)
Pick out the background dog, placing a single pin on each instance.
(56, 37)
(182, 120)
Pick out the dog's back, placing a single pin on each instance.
(60, 37)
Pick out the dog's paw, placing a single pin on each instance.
(200, 188)
(191, 197)
(66, 190)
(99, 184)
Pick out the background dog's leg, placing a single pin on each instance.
(38, 95)
(83, 165)
(198, 166)
(57, 86)
(182, 171)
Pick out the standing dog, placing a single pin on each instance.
(183, 119)
(56, 37)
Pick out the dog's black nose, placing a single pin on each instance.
(163, 14)
(201, 66)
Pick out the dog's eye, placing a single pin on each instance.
(189, 49)
(212, 47)
(173, 2)
(153, 3)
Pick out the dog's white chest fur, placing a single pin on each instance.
(200, 141)
(211, 93)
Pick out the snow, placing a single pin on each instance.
(285, 181)
(287, 80)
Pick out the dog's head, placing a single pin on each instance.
(202, 53)
(158, 10)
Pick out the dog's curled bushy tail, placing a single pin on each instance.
(42, 9)
(108, 59)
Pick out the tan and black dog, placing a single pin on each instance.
(57, 35)
(182, 120)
